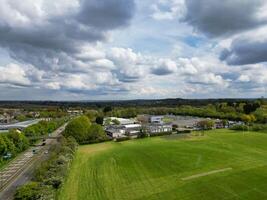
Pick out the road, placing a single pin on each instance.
(20, 170)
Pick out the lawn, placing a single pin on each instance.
(220, 165)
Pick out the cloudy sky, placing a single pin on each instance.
(132, 49)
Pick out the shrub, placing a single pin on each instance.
(239, 128)
(30, 191)
(160, 134)
(121, 139)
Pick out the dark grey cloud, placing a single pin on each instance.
(245, 51)
(42, 40)
(106, 14)
(222, 17)
(161, 71)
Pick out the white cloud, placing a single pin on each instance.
(13, 74)
(167, 9)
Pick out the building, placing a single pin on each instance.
(75, 112)
(156, 119)
(122, 121)
(118, 131)
(158, 128)
(115, 132)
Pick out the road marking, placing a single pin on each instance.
(206, 173)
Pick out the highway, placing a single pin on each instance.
(20, 170)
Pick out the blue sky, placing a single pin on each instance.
(117, 49)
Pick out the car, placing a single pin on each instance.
(46, 152)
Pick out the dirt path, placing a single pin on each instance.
(206, 173)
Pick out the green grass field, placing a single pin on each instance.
(220, 165)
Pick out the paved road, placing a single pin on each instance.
(20, 170)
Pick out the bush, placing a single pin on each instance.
(121, 139)
(184, 131)
(142, 134)
(30, 191)
(239, 128)
(160, 134)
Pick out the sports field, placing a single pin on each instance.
(220, 165)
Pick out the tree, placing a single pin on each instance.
(19, 140)
(96, 132)
(206, 124)
(78, 128)
(250, 107)
(3, 146)
(99, 120)
(107, 109)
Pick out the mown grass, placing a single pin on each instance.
(153, 168)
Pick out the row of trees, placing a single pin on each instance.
(232, 111)
(84, 131)
(49, 176)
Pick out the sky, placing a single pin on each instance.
(132, 49)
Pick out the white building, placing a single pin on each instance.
(158, 128)
(118, 131)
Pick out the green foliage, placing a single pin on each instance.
(250, 107)
(43, 128)
(78, 128)
(240, 128)
(15, 142)
(99, 120)
(121, 139)
(92, 114)
(254, 127)
(160, 134)
(50, 175)
(84, 133)
(142, 134)
(107, 109)
(96, 132)
(206, 124)
(30, 191)
(20, 141)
